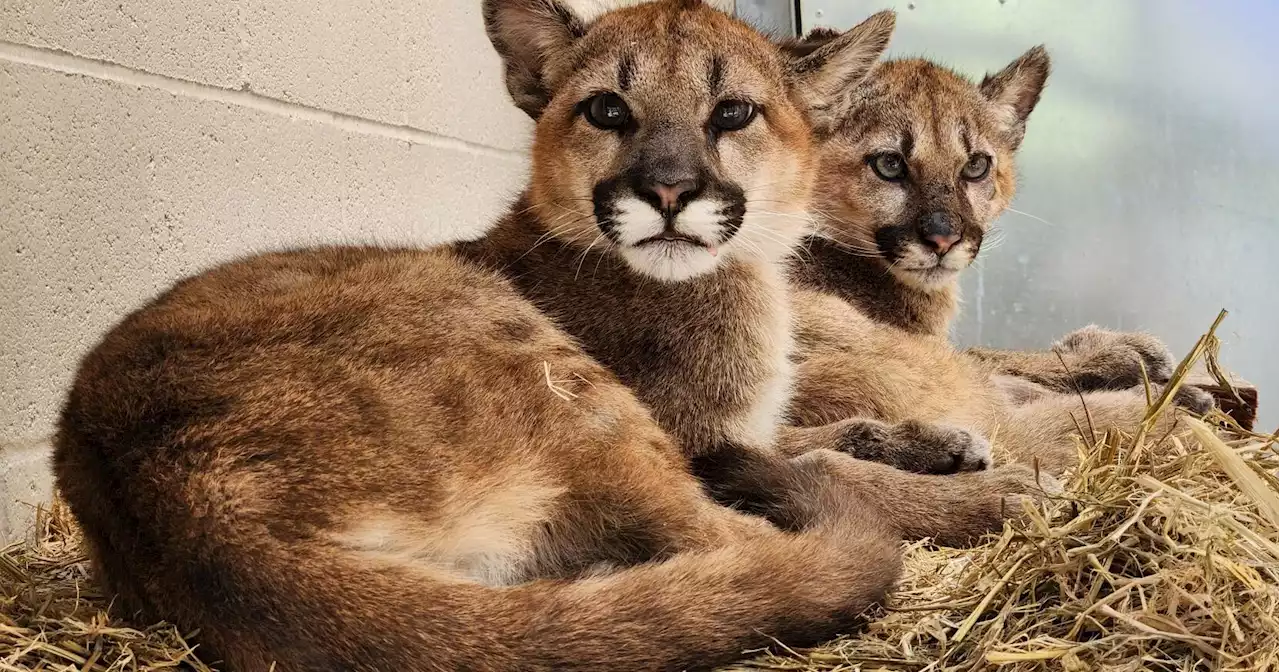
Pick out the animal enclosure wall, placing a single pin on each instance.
(1149, 188)
(148, 139)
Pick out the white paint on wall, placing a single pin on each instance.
(145, 140)
(25, 483)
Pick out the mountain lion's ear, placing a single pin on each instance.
(799, 47)
(1015, 91)
(533, 37)
(824, 74)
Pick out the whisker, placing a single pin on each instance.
(541, 239)
(571, 210)
(775, 237)
(1027, 214)
(753, 248)
(758, 187)
(852, 249)
(806, 217)
(814, 226)
(558, 225)
(583, 257)
(822, 213)
(594, 271)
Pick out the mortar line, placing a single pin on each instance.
(61, 61)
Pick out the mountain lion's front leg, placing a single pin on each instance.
(1087, 360)
(913, 446)
(952, 510)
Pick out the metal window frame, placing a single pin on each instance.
(778, 17)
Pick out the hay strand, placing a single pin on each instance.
(1249, 482)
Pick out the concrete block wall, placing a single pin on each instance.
(144, 140)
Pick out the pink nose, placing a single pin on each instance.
(669, 194)
(943, 242)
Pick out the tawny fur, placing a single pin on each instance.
(874, 303)
(360, 459)
(352, 459)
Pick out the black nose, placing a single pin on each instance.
(669, 198)
(938, 232)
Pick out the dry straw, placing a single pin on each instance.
(1161, 555)
(52, 615)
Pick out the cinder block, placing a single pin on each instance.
(427, 65)
(189, 39)
(112, 192)
(420, 63)
(26, 482)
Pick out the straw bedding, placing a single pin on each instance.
(1161, 555)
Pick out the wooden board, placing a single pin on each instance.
(1240, 400)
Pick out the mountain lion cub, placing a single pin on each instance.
(913, 178)
(900, 263)
(479, 456)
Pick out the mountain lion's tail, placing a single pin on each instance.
(314, 606)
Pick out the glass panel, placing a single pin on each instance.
(1148, 191)
(774, 16)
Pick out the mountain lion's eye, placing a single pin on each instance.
(608, 111)
(977, 167)
(889, 166)
(731, 115)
